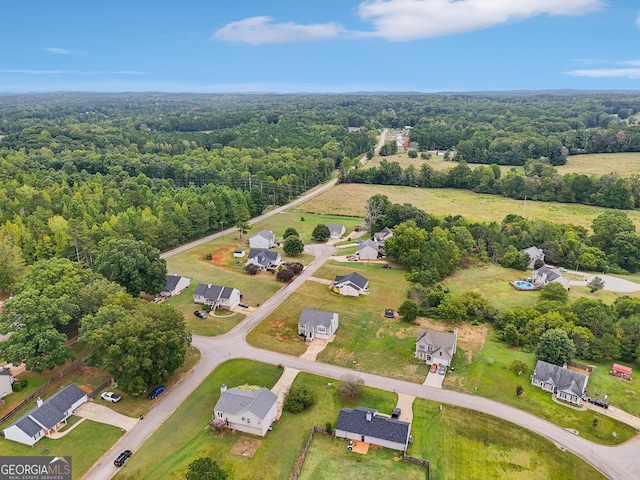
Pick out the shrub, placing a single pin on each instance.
(19, 385)
(208, 256)
(285, 275)
(328, 427)
(298, 398)
(408, 310)
(412, 154)
(296, 267)
(519, 367)
(251, 269)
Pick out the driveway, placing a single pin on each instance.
(433, 380)
(103, 414)
(405, 404)
(282, 386)
(611, 284)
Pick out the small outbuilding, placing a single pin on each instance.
(621, 371)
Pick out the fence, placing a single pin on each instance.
(69, 368)
(303, 453)
(100, 387)
(419, 461)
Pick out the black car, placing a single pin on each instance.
(243, 305)
(200, 313)
(598, 402)
(156, 392)
(122, 458)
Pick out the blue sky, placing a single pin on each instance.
(319, 45)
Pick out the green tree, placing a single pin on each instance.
(595, 284)
(290, 231)
(133, 264)
(407, 245)
(243, 227)
(412, 154)
(285, 275)
(298, 398)
(293, 246)
(205, 468)
(408, 310)
(11, 264)
(555, 347)
(607, 226)
(453, 308)
(320, 233)
(351, 387)
(519, 390)
(554, 292)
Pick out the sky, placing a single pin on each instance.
(322, 46)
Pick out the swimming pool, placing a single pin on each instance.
(524, 285)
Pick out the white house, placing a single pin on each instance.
(317, 324)
(175, 285)
(351, 285)
(6, 382)
(367, 425)
(216, 296)
(263, 239)
(249, 411)
(534, 253)
(436, 347)
(263, 259)
(368, 250)
(547, 274)
(336, 230)
(47, 417)
(568, 385)
(382, 235)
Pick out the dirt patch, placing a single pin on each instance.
(402, 333)
(380, 332)
(220, 254)
(470, 338)
(278, 323)
(246, 446)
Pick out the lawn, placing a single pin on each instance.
(490, 375)
(463, 444)
(86, 444)
(365, 340)
(624, 395)
(624, 164)
(449, 201)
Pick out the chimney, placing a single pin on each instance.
(175, 274)
(369, 416)
(223, 388)
(209, 285)
(39, 402)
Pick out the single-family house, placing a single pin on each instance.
(383, 235)
(6, 382)
(567, 384)
(249, 411)
(263, 239)
(335, 230)
(617, 371)
(367, 425)
(351, 285)
(47, 417)
(264, 259)
(368, 250)
(317, 324)
(216, 296)
(175, 285)
(534, 253)
(547, 274)
(436, 347)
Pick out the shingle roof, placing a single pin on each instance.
(5, 371)
(316, 318)
(335, 228)
(215, 292)
(236, 400)
(368, 243)
(382, 234)
(551, 272)
(443, 342)
(383, 427)
(268, 234)
(354, 278)
(263, 257)
(172, 282)
(534, 252)
(563, 378)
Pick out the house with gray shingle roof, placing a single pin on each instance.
(567, 385)
(351, 285)
(317, 324)
(382, 235)
(249, 411)
(336, 230)
(436, 347)
(216, 296)
(367, 425)
(548, 274)
(6, 382)
(264, 259)
(368, 250)
(175, 285)
(534, 253)
(47, 417)
(263, 239)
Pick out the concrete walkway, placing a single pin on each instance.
(103, 414)
(281, 388)
(323, 281)
(56, 435)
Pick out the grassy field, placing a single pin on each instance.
(490, 375)
(365, 340)
(85, 443)
(448, 201)
(624, 395)
(463, 444)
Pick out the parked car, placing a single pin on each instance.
(599, 402)
(156, 392)
(562, 269)
(434, 368)
(122, 458)
(111, 397)
(243, 305)
(442, 370)
(352, 259)
(396, 413)
(201, 314)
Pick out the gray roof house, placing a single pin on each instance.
(547, 274)
(47, 417)
(335, 230)
(367, 425)
(6, 382)
(368, 250)
(263, 239)
(263, 259)
(217, 296)
(382, 235)
(534, 253)
(317, 324)
(351, 285)
(249, 411)
(436, 347)
(566, 384)
(175, 285)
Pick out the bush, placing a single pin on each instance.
(19, 385)
(296, 267)
(519, 367)
(328, 427)
(408, 311)
(251, 269)
(285, 275)
(412, 154)
(208, 256)
(298, 398)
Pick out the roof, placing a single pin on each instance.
(268, 234)
(236, 400)
(51, 412)
(563, 378)
(215, 292)
(5, 371)
(618, 368)
(534, 252)
(382, 234)
(368, 243)
(335, 228)
(354, 278)
(317, 318)
(172, 282)
(263, 257)
(444, 342)
(551, 272)
(380, 426)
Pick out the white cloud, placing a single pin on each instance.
(631, 63)
(632, 73)
(261, 30)
(404, 20)
(63, 51)
(71, 72)
(638, 19)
